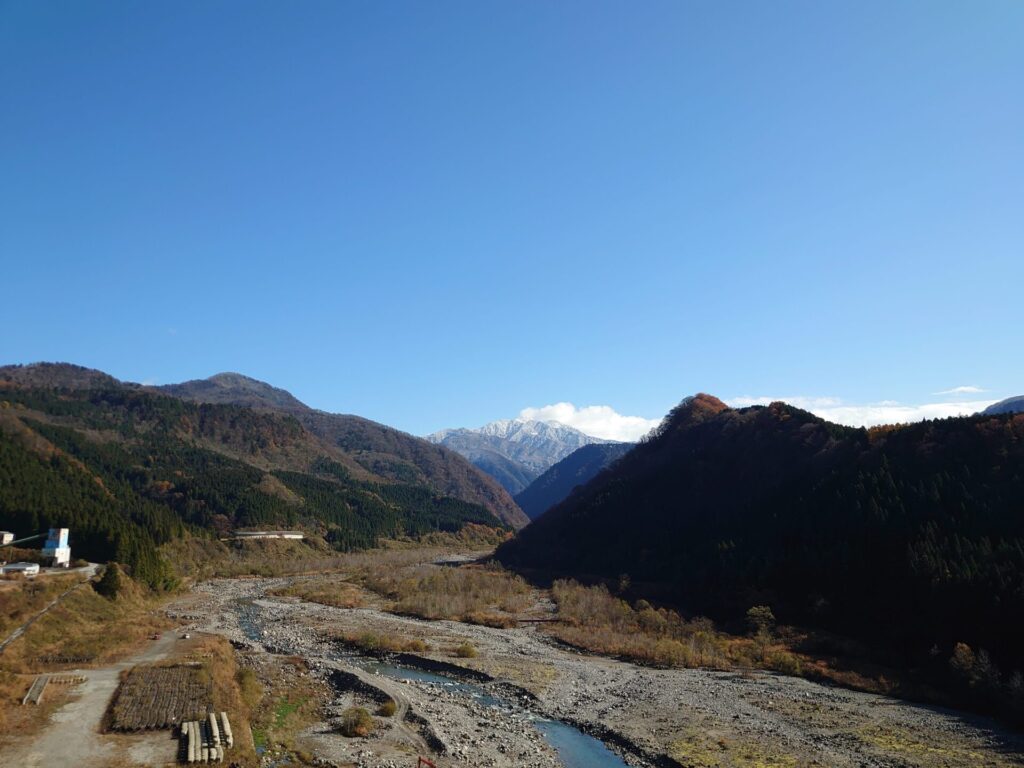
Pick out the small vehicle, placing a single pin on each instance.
(154, 636)
(186, 636)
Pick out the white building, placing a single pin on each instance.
(25, 569)
(6, 537)
(269, 534)
(57, 549)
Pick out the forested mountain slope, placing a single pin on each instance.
(912, 536)
(576, 469)
(380, 450)
(129, 469)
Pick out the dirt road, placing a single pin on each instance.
(72, 737)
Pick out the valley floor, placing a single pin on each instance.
(652, 717)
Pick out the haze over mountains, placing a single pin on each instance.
(515, 451)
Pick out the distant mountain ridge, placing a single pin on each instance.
(515, 451)
(576, 469)
(134, 472)
(378, 449)
(1009, 405)
(367, 450)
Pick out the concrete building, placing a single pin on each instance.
(269, 534)
(25, 569)
(6, 537)
(57, 548)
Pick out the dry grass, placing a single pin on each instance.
(197, 558)
(291, 701)
(206, 558)
(16, 720)
(478, 595)
(594, 619)
(85, 628)
(372, 642)
(333, 593)
(229, 692)
(21, 599)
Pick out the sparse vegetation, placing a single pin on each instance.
(84, 627)
(111, 583)
(337, 594)
(356, 721)
(466, 651)
(249, 687)
(372, 642)
(594, 619)
(479, 595)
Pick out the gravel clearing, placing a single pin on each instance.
(652, 717)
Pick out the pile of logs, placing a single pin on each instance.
(206, 741)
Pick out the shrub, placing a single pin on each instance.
(387, 709)
(465, 594)
(761, 620)
(249, 687)
(466, 651)
(785, 662)
(372, 643)
(356, 721)
(111, 582)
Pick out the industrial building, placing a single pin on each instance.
(23, 569)
(57, 549)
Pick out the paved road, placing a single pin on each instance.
(72, 737)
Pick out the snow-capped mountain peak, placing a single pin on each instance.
(515, 451)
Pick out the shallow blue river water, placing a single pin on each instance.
(575, 748)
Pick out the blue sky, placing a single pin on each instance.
(438, 214)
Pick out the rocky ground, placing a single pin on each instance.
(652, 717)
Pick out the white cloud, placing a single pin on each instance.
(594, 420)
(965, 390)
(870, 414)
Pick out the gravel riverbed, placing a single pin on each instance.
(653, 717)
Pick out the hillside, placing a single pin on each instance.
(576, 469)
(515, 451)
(129, 470)
(1009, 405)
(376, 449)
(512, 475)
(910, 537)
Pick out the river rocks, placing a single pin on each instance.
(640, 712)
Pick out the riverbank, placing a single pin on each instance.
(691, 717)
